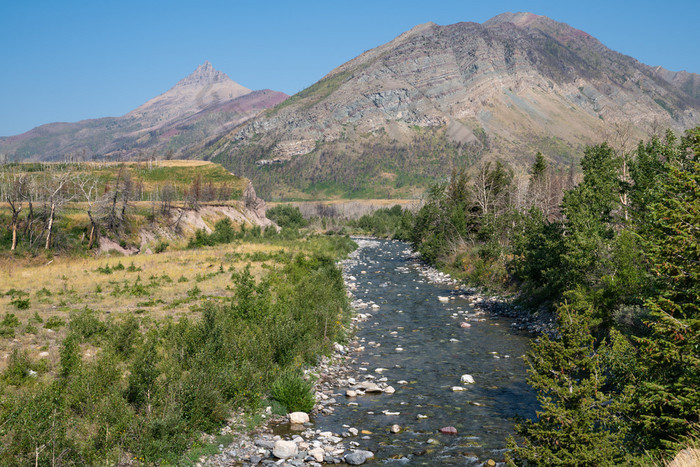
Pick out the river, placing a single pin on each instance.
(414, 340)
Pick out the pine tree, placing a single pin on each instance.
(578, 422)
(668, 400)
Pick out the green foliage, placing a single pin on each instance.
(287, 217)
(20, 303)
(155, 387)
(578, 422)
(54, 323)
(665, 399)
(18, 368)
(161, 246)
(293, 392)
(391, 222)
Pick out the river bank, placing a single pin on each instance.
(366, 405)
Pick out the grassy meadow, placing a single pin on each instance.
(115, 359)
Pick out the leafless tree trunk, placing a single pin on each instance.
(56, 198)
(15, 197)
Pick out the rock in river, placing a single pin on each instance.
(467, 379)
(448, 430)
(358, 457)
(285, 449)
(298, 418)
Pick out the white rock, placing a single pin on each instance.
(317, 454)
(395, 428)
(458, 388)
(351, 393)
(298, 418)
(444, 299)
(285, 449)
(421, 416)
(353, 431)
(389, 390)
(467, 379)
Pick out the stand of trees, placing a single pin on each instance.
(617, 258)
(38, 195)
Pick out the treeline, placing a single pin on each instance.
(152, 387)
(372, 167)
(38, 195)
(617, 258)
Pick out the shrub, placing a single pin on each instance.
(161, 246)
(287, 217)
(20, 303)
(9, 321)
(54, 322)
(18, 368)
(292, 391)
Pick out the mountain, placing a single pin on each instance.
(204, 105)
(396, 118)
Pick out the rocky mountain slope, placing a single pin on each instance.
(204, 105)
(438, 97)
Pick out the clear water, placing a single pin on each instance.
(431, 364)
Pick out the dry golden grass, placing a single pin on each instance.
(61, 286)
(686, 458)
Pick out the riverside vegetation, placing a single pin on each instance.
(115, 359)
(615, 258)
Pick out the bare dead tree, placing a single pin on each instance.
(15, 196)
(89, 189)
(167, 196)
(620, 137)
(55, 198)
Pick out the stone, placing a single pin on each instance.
(265, 443)
(285, 449)
(317, 454)
(351, 393)
(464, 325)
(389, 390)
(298, 418)
(443, 299)
(490, 463)
(358, 457)
(369, 387)
(353, 431)
(395, 428)
(421, 416)
(458, 388)
(467, 379)
(448, 430)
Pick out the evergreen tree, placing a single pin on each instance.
(667, 401)
(578, 421)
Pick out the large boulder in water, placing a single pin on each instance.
(358, 457)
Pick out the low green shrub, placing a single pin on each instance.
(293, 392)
(54, 323)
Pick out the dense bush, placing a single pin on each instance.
(293, 392)
(287, 216)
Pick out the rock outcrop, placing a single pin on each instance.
(200, 107)
(516, 84)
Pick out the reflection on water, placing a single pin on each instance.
(422, 344)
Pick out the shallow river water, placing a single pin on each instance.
(424, 352)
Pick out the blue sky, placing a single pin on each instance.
(71, 60)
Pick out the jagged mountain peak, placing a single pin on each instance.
(204, 74)
(530, 21)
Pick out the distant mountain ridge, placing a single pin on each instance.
(203, 105)
(516, 84)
